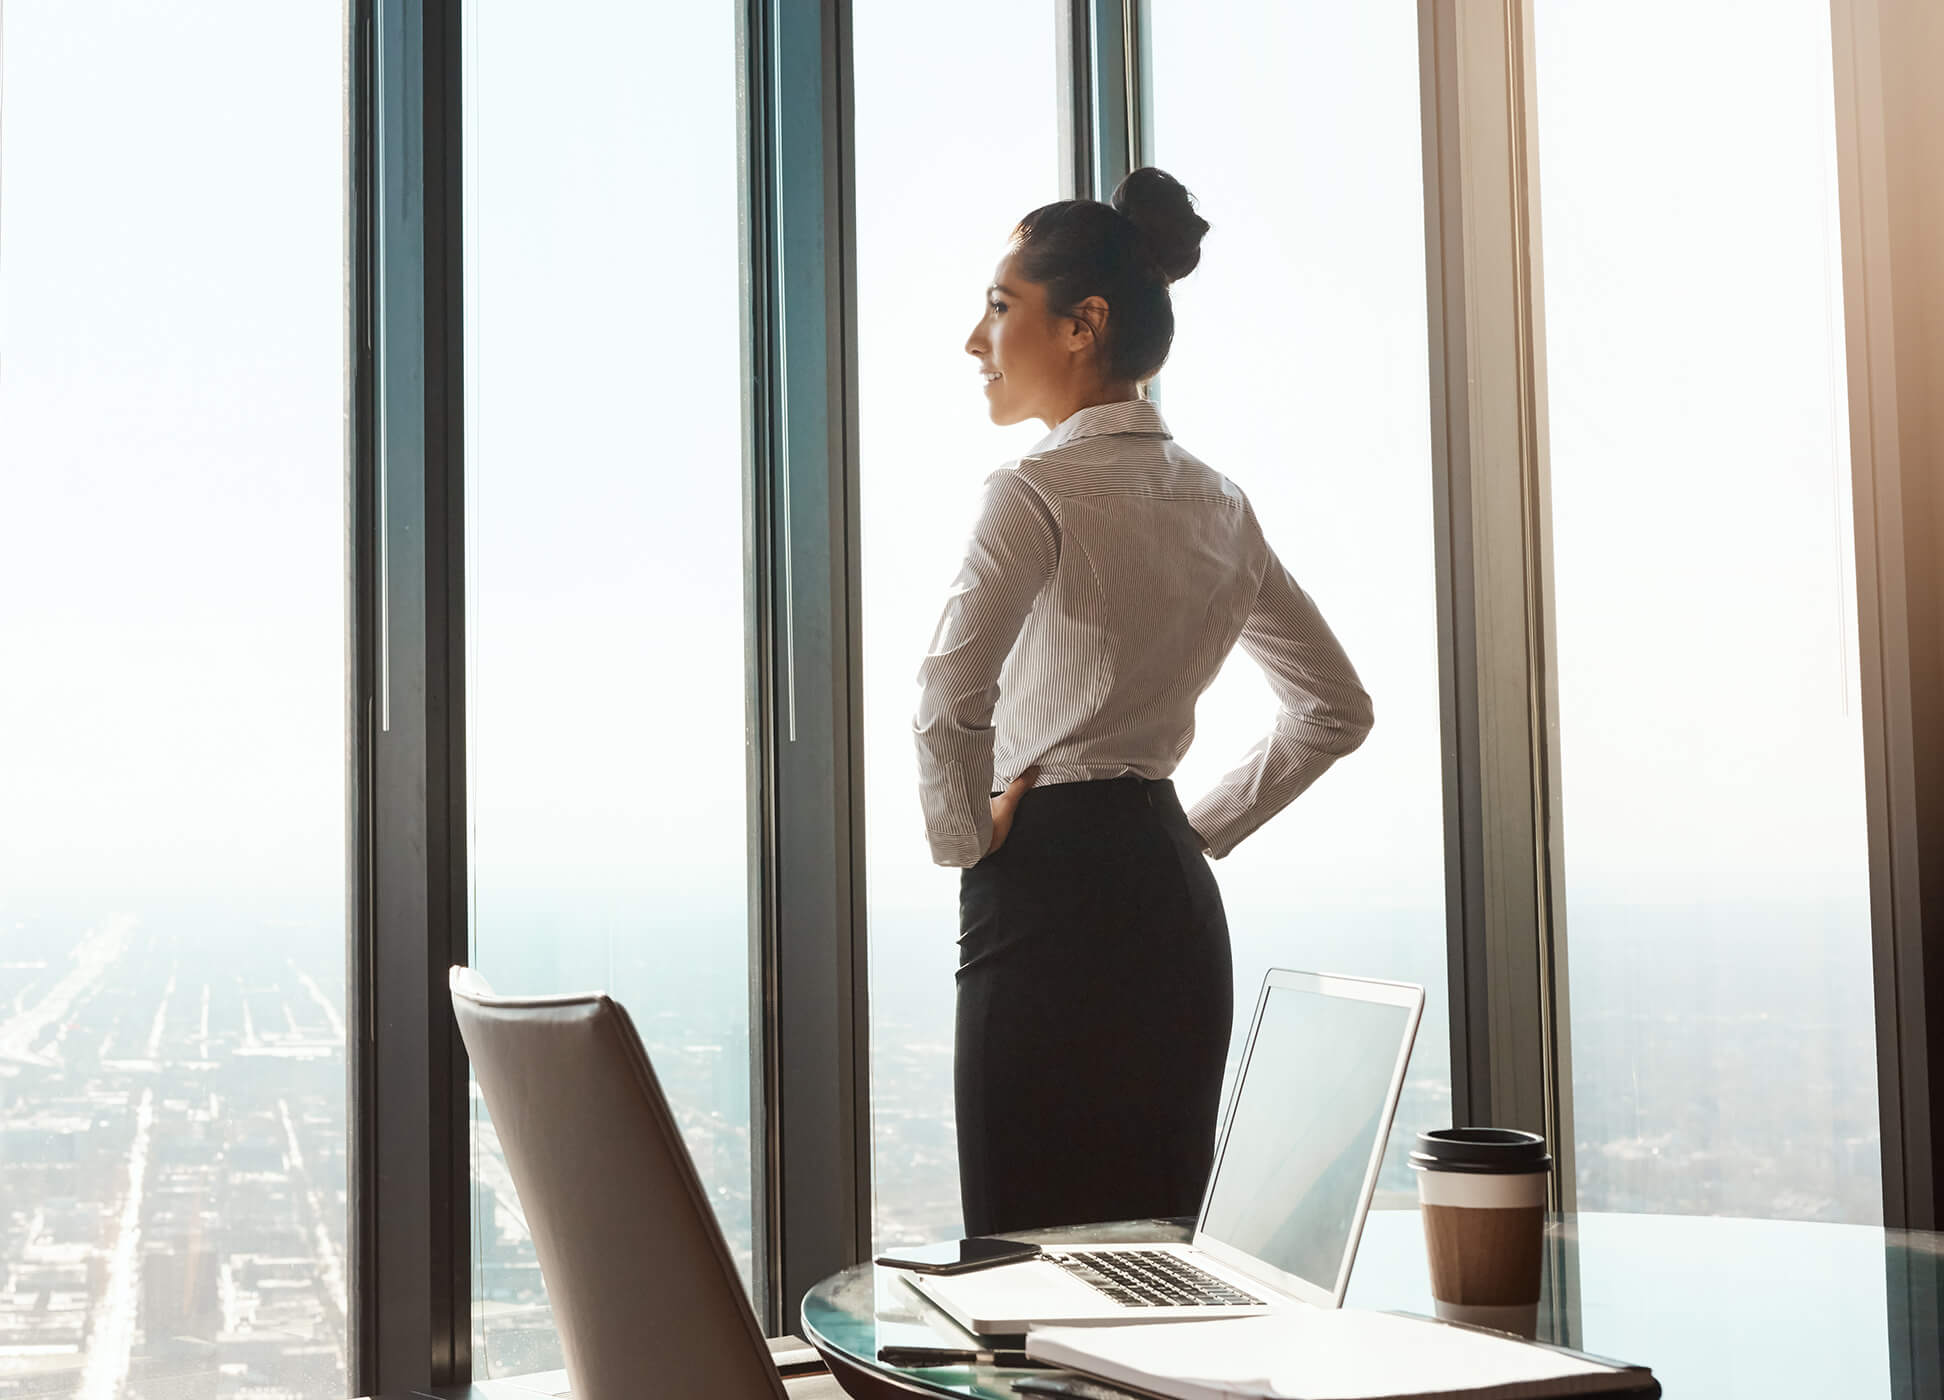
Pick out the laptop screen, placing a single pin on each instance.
(1313, 1098)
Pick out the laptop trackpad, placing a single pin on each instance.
(1035, 1289)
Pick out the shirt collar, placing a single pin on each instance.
(1106, 419)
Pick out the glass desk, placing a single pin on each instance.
(1717, 1307)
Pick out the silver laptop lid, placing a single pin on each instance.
(1297, 1160)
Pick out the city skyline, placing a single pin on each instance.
(172, 1143)
(172, 1158)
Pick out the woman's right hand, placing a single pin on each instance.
(1006, 803)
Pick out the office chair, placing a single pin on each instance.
(645, 1295)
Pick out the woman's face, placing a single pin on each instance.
(1032, 362)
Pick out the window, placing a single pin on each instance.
(172, 729)
(1300, 371)
(1711, 754)
(605, 683)
(957, 123)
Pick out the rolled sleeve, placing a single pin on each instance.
(1013, 551)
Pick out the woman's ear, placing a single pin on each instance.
(1088, 324)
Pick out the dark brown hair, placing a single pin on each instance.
(1125, 252)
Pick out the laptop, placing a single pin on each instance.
(1295, 1167)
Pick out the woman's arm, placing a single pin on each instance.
(1322, 713)
(1014, 548)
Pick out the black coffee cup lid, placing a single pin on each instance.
(1491, 1151)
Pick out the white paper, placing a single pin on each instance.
(1316, 1354)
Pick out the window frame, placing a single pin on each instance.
(1504, 843)
(810, 1009)
(410, 1265)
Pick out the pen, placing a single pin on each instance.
(952, 1356)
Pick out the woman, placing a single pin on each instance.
(1109, 574)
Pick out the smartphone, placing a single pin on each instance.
(959, 1256)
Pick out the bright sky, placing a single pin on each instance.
(605, 456)
(170, 554)
(171, 450)
(1703, 565)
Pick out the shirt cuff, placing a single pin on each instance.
(956, 852)
(1219, 837)
(958, 821)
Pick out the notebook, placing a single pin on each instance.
(1330, 1354)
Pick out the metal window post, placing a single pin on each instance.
(410, 1286)
(1504, 842)
(1488, 411)
(807, 923)
(1102, 62)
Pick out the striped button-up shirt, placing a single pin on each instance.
(1108, 576)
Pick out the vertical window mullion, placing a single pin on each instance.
(809, 936)
(1503, 853)
(409, 1284)
(1073, 31)
(1488, 447)
(1110, 30)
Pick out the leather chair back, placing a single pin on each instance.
(645, 1295)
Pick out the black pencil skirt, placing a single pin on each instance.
(1094, 1001)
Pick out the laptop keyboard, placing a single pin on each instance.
(1151, 1278)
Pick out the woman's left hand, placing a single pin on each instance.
(1006, 803)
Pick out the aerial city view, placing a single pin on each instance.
(172, 1140)
(172, 1162)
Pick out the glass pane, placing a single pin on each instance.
(1300, 371)
(605, 681)
(172, 735)
(983, 106)
(1717, 894)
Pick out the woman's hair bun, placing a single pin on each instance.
(1164, 218)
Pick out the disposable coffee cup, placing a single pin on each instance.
(1483, 1196)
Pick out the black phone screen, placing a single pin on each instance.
(959, 1256)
